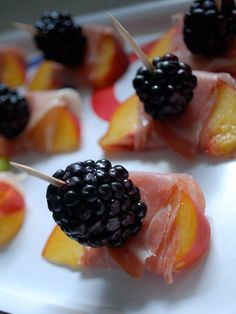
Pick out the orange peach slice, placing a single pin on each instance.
(193, 234)
(122, 128)
(219, 135)
(47, 76)
(162, 46)
(12, 212)
(12, 67)
(62, 250)
(58, 131)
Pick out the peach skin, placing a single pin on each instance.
(12, 211)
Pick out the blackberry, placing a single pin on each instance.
(98, 205)
(14, 112)
(206, 30)
(60, 38)
(168, 89)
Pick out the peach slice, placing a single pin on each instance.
(12, 212)
(219, 134)
(62, 250)
(56, 132)
(193, 234)
(122, 128)
(105, 61)
(47, 76)
(163, 45)
(12, 67)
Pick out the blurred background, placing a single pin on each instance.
(27, 11)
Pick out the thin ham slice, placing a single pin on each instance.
(42, 102)
(96, 257)
(155, 245)
(182, 133)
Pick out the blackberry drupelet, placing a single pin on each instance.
(206, 30)
(60, 38)
(14, 112)
(168, 89)
(98, 205)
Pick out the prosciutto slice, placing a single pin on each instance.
(154, 247)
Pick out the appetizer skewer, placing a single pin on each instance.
(76, 56)
(47, 122)
(203, 37)
(178, 109)
(139, 221)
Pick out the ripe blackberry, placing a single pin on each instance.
(168, 89)
(98, 205)
(60, 38)
(14, 112)
(206, 30)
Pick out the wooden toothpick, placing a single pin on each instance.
(136, 49)
(218, 4)
(26, 27)
(38, 174)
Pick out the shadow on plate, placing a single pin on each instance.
(124, 293)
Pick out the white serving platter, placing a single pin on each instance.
(29, 284)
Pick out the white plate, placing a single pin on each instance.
(29, 284)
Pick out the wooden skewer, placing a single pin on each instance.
(38, 174)
(218, 4)
(26, 27)
(137, 50)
